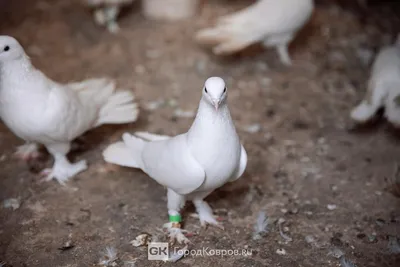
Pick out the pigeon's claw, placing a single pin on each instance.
(27, 152)
(209, 219)
(206, 215)
(62, 173)
(175, 233)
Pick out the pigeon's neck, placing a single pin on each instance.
(16, 71)
(209, 124)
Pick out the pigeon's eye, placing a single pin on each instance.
(6, 48)
(224, 89)
(205, 89)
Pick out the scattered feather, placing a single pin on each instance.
(310, 239)
(180, 113)
(394, 246)
(253, 128)
(331, 207)
(153, 105)
(13, 203)
(67, 246)
(283, 235)
(130, 263)
(174, 257)
(346, 263)
(261, 226)
(336, 252)
(109, 257)
(141, 240)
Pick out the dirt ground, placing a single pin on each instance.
(306, 164)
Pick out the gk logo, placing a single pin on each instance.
(158, 251)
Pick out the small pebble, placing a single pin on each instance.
(310, 239)
(13, 203)
(253, 128)
(331, 206)
(281, 251)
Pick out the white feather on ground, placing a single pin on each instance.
(261, 226)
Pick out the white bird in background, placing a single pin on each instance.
(42, 111)
(275, 23)
(383, 89)
(106, 12)
(190, 165)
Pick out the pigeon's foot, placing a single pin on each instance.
(62, 172)
(283, 53)
(27, 152)
(206, 215)
(175, 233)
(113, 27)
(100, 17)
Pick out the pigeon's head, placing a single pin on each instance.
(10, 49)
(215, 92)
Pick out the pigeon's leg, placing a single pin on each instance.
(62, 169)
(205, 213)
(175, 204)
(283, 53)
(371, 103)
(111, 14)
(100, 17)
(27, 151)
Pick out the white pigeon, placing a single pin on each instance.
(190, 165)
(107, 11)
(41, 111)
(274, 23)
(383, 89)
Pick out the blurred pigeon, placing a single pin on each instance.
(190, 165)
(42, 111)
(272, 22)
(383, 89)
(107, 11)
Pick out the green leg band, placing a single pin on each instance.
(175, 218)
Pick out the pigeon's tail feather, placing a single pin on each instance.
(113, 107)
(119, 108)
(118, 153)
(209, 36)
(135, 146)
(226, 42)
(151, 137)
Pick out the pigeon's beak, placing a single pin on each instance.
(216, 104)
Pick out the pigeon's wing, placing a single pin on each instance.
(66, 117)
(172, 165)
(242, 164)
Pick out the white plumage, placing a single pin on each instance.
(107, 11)
(193, 164)
(272, 22)
(383, 89)
(39, 110)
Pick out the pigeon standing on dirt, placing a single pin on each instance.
(41, 111)
(107, 11)
(383, 89)
(190, 165)
(275, 23)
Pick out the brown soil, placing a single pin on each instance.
(305, 165)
